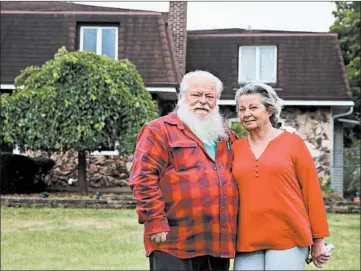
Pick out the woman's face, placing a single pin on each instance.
(252, 113)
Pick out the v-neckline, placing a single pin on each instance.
(265, 149)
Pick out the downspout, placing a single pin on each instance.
(355, 122)
(349, 112)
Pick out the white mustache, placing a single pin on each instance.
(202, 108)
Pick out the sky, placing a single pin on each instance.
(291, 16)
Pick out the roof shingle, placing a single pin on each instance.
(309, 66)
(32, 39)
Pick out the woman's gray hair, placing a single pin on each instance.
(269, 99)
(188, 77)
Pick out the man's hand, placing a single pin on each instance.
(158, 237)
(320, 255)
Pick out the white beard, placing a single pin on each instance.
(208, 129)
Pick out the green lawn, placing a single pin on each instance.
(85, 239)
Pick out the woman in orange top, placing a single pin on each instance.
(281, 206)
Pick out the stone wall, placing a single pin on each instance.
(102, 171)
(126, 201)
(314, 125)
(105, 202)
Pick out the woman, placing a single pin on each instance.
(281, 206)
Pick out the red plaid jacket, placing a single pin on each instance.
(181, 190)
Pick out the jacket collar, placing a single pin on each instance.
(173, 119)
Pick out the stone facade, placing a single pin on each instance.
(314, 126)
(102, 171)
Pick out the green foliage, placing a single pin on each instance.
(352, 177)
(325, 183)
(78, 100)
(238, 129)
(347, 26)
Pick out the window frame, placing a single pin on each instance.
(99, 38)
(257, 65)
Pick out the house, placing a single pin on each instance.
(32, 32)
(306, 69)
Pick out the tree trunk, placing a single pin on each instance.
(83, 184)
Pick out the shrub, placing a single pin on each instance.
(77, 101)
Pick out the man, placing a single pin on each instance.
(182, 182)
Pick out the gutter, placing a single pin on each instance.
(355, 122)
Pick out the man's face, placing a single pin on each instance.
(201, 97)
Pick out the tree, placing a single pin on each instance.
(347, 26)
(77, 101)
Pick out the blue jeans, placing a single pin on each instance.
(287, 259)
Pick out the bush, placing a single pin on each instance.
(325, 183)
(77, 101)
(238, 129)
(352, 177)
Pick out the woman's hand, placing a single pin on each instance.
(320, 255)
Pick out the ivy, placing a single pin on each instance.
(77, 100)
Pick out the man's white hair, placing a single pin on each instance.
(188, 77)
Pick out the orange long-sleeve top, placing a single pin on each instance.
(281, 203)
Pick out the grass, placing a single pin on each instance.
(87, 239)
(345, 235)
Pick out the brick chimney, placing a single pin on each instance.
(177, 20)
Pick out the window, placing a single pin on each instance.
(257, 63)
(101, 40)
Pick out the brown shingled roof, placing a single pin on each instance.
(309, 67)
(31, 33)
(56, 6)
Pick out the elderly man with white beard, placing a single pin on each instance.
(181, 179)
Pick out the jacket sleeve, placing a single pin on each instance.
(311, 190)
(149, 163)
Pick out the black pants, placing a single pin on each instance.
(161, 261)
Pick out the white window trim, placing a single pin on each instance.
(99, 38)
(240, 81)
(7, 86)
(300, 103)
(161, 89)
(150, 89)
